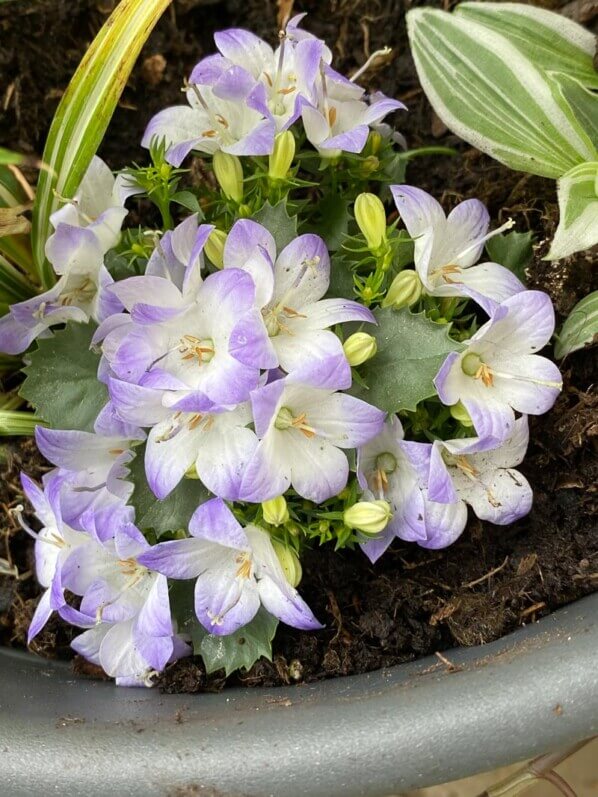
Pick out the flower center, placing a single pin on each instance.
(286, 420)
(473, 365)
(445, 273)
(80, 294)
(245, 565)
(192, 348)
(385, 463)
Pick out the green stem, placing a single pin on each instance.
(14, 424)
(425, 151)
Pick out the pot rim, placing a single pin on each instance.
(413, 725)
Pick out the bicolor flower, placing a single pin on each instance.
(289, 291)
(53, 544)
(446, 248)
(465, 471)
(237, 571)
(125, 606)
(98, 204)
(392, 470)
(92, 465)
(209, 350)
(79, 294)
(498, 372)
(302, 430)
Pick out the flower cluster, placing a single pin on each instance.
(234, 363)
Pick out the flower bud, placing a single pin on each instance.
(460, 414)
(214, 247)
(371, 220)
(371, 517)
(289, 561)
(405, 290)
(229, 173)
(275, 511)
(360, 347)
(282, 156)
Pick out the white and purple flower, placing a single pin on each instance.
(446, 248)
(499, 372)
(237, 571)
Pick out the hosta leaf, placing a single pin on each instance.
(276, 219)
(580, 327)
(578, 208)
(238, 650)
(583, 103)
(174, 512)
(513, 250)
(411, 349)
(549, 40)
(487, 92)
(85, 111)
(62, 379)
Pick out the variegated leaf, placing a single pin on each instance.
(580, 327)
(578, 206)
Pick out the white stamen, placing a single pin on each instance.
(383, 53)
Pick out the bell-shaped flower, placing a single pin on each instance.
(125, 606)
(447, 247)
(80, 293)
(289, 291)
(53, 544)
(92, 464)
(237, 571)
(465, 471)
(231, 115)
(302, 430)
(286, 75)
(392, 470)
(98, 204)
(209, 349)
(498, 372)
(341, 117)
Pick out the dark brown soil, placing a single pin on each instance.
(413, 602)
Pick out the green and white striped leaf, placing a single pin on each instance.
(551, 41)
(578, 210)
(488, 93)
(85, 111)
(580, 328)
(582, 102)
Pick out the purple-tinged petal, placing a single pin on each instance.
(532, 386)
(234, 85)
(467, 223)
(181, 127)
(319, 470)
(42, 613)
(523, 323)
(440, 484)
(380, 108)
(493, 420)
(444, 524)
(74, 249)
(16, 337)
(178, 559)
(267, 475)
(447, 393)
(154, 618)
(351, 141)
(223, 602)
(418, 210)
(374, 547)
(137, 404)
(328, 312)
(345, 421)
(245, 48)
(156, 291)
(249, 342)
(259, 141)
(88, 643)
(213, 521)
(223, 459)
(264, 402)
(302, 271)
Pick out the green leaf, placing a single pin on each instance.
(85, 111)
(10, 158)
(549, 40)
(411, 349)
(188, 200)
(488, 93)
(174, 512)
(240, 649)
(513, 250)
(583, 103)
(13, 284)
(341, 278)
(332, 221)
(580, 327)
(577, 193)
(276, 219)
(62, 379)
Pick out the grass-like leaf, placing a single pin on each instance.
(580, 327)
(85, 111)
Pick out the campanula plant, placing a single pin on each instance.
(262, 375)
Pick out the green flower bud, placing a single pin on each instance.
(282, 156)
(371, 220)
(229, 173)
(369, 165)
(275, 511)
(289, 561)
(460, 414)
(360, 347)
(405, 290)
(214, 247)
(371, 517)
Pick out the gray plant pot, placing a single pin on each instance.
(378, 734)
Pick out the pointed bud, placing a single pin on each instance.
(275, 511)
(289, 561)
(405, 290)
(371, 517)
(229, 173)
(460, 414)
(282, 156)
(359, 347)
(214, 247)
(371, 220)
